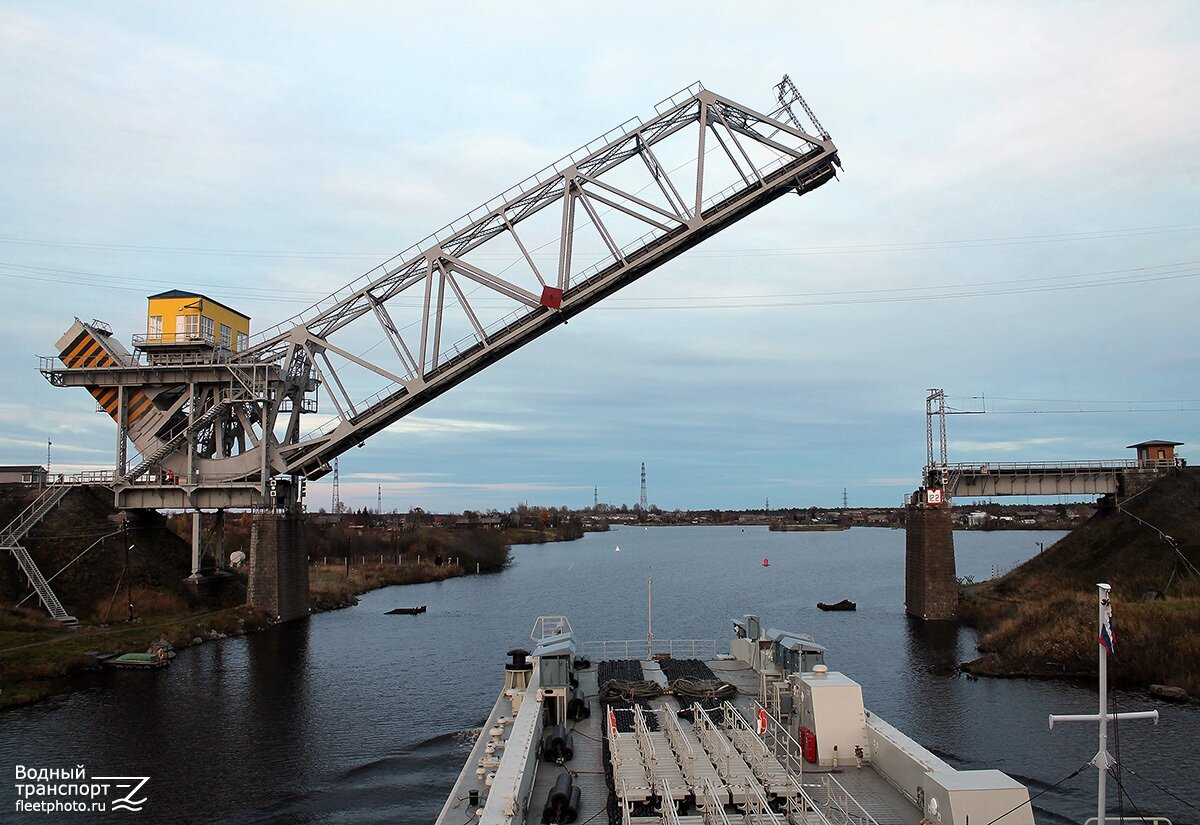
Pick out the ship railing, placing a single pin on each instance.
(801, 809)
(840, 807)
(1130, 820)
(781, 742)
(670, 816)
(546, 626)
(679, 742)
(626, 807)
(649, 757)
(757, 809)
(640, 649)
(709, 799)
(758, 755)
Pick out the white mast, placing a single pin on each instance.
(649, 615)
(1103, 760)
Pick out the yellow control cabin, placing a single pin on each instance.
(184, 320)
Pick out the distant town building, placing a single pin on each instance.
(1156, 453)
(23, 474)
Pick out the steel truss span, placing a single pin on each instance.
(506, 273)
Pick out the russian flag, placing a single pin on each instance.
(1107, 639)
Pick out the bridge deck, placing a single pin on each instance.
(1041, 478)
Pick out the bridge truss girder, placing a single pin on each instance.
(504, 275)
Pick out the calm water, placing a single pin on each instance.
(358, 717)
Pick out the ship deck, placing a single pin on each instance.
(878, 798)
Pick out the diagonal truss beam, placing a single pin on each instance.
(767, 155)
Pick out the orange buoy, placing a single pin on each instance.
(766, 562)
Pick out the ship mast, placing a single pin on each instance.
(1103, 760)
(649, 615)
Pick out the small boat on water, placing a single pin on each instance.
(844, 604)
(137, 661)
(405, 611)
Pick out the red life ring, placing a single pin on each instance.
(160, 653)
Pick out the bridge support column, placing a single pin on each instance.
(219, 541)
(930, 583)
(197, 548)
(278, 565)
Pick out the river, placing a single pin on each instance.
(355, 716)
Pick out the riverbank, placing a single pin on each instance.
(1039, 620)
(38, 656)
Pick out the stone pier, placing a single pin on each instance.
(930, 583)
(278, 565)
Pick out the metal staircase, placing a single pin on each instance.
(17, 529)
(173, 442)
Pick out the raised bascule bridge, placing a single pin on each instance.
(931, 583)
(211, 417)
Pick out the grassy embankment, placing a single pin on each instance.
(1040, 619)
(37, 655)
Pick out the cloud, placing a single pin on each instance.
(1005, 446)
(312, 132)
(414, 425)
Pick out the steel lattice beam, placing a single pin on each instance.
(643, 193)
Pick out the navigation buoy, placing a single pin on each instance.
(618, 550)
(766, 562)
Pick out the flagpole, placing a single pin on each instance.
(1102, 761)
(1102, 754)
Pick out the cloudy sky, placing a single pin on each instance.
(1018, 222)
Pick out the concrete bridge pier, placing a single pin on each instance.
(278, 565)
(930, 581)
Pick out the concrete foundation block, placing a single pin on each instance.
(278, 565)
(930, 579)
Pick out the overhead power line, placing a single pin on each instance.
(1019, 286)
(877, 246)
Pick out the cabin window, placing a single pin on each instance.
(226, 336)
(206, 327)
(187, 326)
(1162, 455)
(154, 327)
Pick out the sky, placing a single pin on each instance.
(1017, 222)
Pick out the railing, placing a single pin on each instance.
(17, 529)
(714, 808)
(844, 808)
(758, 810)
(639, 649)
(40, 585)
(546, 626)
(670, 816)
(31, 515)
(90, 477)
(1035, 467)
(532, 183)
(175, 338)
(50, 365)
(781, 742)
(801, 808)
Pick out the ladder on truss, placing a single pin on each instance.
(17, 529)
